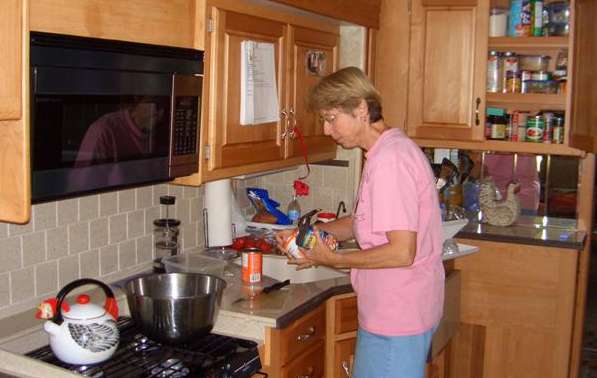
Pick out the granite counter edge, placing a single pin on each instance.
(521, 240)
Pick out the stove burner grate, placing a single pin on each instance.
(138, 356)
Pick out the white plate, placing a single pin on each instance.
(451, 228)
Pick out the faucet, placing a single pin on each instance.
(341, 206)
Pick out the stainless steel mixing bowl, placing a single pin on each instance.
(174, 307)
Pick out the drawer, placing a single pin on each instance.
(310, 364)
(346, 318)
(302, 334)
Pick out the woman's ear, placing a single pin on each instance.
(362, 111)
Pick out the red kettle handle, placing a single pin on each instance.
(110, 304)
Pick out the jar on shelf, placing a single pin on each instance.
(498, 22)
(509, 65)
(498, 127)
(494, 72)
(513, 82)
(558, 18)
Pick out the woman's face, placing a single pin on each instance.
(344, 128)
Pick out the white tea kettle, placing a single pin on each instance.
(84, 333)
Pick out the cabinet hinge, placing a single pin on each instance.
(410, 6)
(207, 151)
(210, 25)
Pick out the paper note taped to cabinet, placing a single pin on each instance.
(258, 89)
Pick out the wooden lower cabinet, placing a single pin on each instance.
(343, 357)
(341, 337)
(308, 364)
(297, 349)
(517, 307)
(322, 342)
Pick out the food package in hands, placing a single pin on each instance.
(291, 245)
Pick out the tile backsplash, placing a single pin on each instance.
(93, 236)
(328, 185)
(106, 235)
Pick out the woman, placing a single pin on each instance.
(398, 274)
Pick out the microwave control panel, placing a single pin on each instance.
(186, 117)
(184, 135)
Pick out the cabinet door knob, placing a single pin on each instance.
(306, 336)
(477, 102)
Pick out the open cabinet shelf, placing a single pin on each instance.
(527, 43)
(504, 146)
(551, 101)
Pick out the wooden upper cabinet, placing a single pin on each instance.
(305, 49)
(11, 27)
(583, 118)
(234, 144)
(177, 23)
(313, 54)
(15, 188)
(448, 50)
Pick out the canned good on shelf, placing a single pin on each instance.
(535, 129)
(541, 75)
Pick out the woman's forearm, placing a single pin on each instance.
(398, 252)
(341, 228)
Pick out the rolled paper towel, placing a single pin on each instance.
(218, 203)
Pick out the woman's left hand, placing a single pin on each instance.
(320, 254)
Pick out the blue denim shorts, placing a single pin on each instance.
(378, 356)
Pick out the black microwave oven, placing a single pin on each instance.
(111, 114)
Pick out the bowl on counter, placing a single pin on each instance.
(194, 263)
(173, 308)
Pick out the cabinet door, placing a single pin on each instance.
(234, 144)
(313, 54)
(171, 23)
(343, 358)
(583, 118)
(10, 61)
(448, 54)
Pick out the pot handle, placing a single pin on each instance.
(110, 305)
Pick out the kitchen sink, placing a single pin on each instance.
(276, 267)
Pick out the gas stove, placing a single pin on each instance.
(208, 356)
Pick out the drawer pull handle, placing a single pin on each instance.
(346, 369)
(306, 336)
(309, 373)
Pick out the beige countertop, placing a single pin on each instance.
(246, 318)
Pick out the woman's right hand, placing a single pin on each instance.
(281, 237)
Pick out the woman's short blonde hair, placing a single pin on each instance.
(345, 89)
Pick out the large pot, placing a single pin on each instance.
(174, 307)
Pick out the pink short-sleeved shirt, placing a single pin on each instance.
(397, 193)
